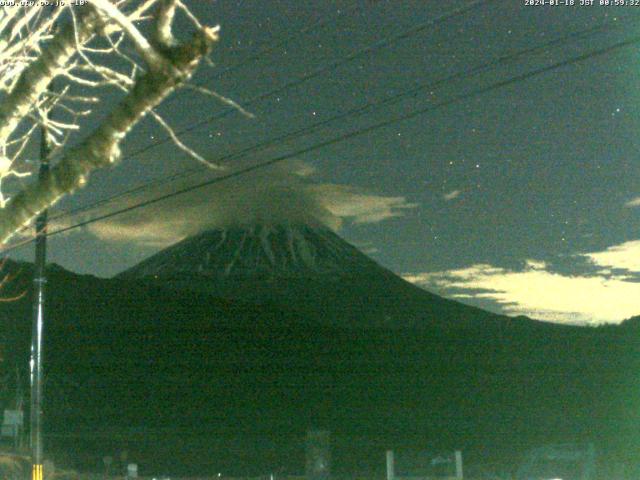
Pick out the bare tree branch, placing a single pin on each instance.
(84, 50)
(222, 98)
(102, 147)
(34, 80)
(189, 151)
(144, 48)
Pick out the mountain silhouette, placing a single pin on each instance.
(309, 269)
(218, 353)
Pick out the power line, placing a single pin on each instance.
(354, 55)
(282, 42)
(273, 45)
(462, 75)
(372, 47)
(324, 69)
(351, 134)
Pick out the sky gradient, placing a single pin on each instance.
(523, 199)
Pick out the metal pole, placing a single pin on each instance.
(37, 332)
(459, 473)
(390, 466)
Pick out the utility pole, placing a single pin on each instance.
(37, 331)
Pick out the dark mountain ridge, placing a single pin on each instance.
(172, 364)
(310, 269)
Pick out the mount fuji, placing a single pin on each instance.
(310, 269)
(264, 331)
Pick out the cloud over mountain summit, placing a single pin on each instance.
(280, 194)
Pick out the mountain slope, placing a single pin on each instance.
(261, 250)
(309, 269)
(176, 375)
(260, 334)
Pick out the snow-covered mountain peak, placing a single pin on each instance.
(264, 250)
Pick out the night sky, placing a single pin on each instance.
(523, 199)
